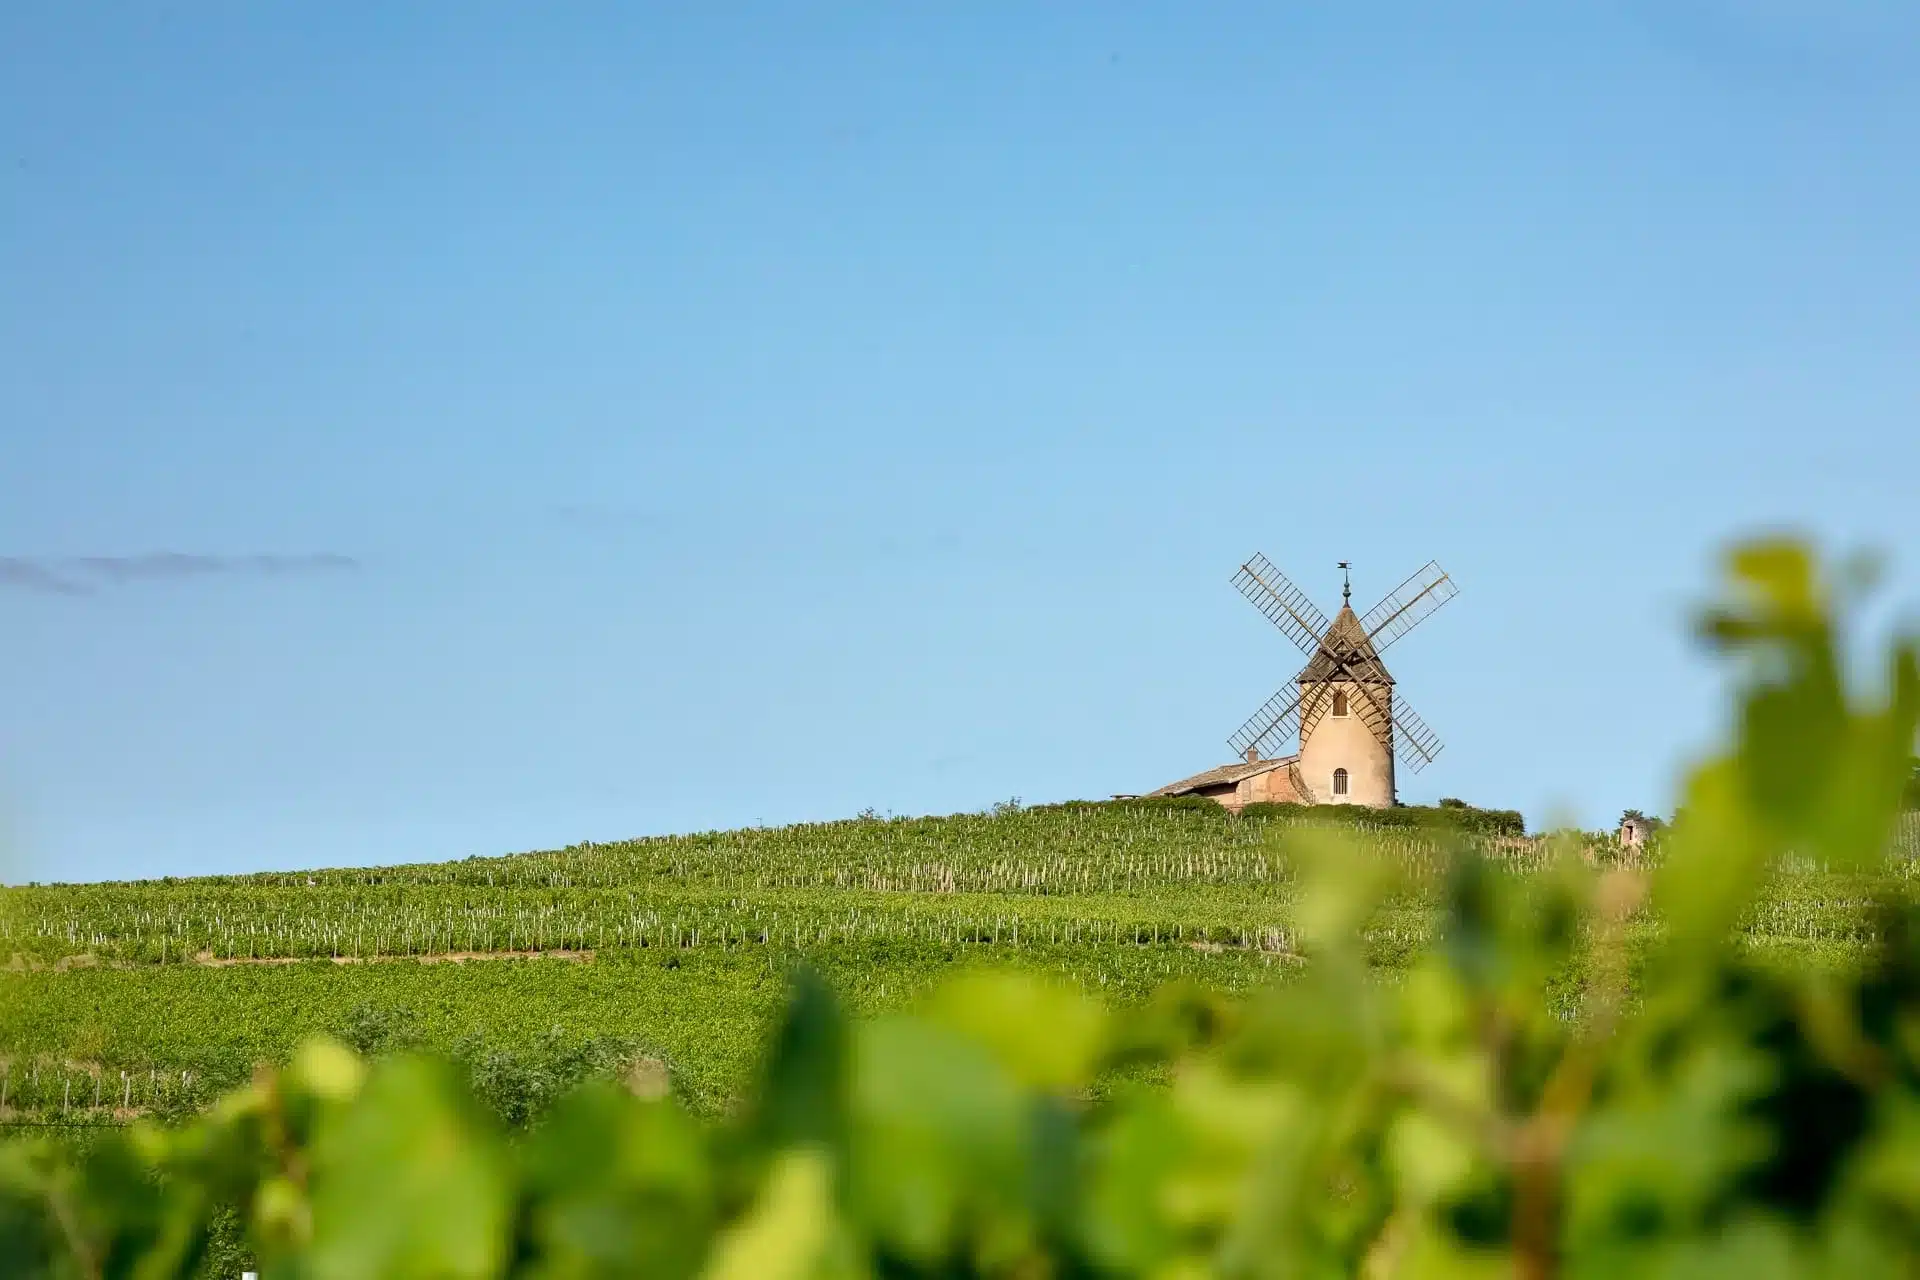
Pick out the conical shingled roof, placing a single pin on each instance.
(1346, 640)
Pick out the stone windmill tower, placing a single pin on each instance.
(1352, 722)
(1344, 705)
(1351, 719)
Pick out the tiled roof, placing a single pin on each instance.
(1225, 774)
(1348, 639)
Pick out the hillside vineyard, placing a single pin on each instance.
(135, 998)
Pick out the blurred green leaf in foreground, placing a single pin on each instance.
(1542, 1094)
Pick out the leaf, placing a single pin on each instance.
(790, 1233)
(616, 1186)
(410, 1180)
(804, 1083)
(1046, 1033)
(327, 1069)
(941, 1131)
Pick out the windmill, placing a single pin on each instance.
(1351, 719)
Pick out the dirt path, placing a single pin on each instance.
(212, 961)
(206, 959)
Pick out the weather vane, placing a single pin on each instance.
(1346, 582)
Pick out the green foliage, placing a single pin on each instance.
(1450, 815)
(521, 1082)
(1201, 805)
(1581, 1069)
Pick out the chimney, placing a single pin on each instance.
(1253, 755)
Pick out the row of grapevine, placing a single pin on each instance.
(1079, 850)
(147, 924)
(261, 928)
(41, 1090)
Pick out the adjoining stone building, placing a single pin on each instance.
(1250, 782)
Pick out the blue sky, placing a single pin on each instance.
(589, 421)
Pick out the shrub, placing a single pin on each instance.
(1170, 804)
(1453, 815)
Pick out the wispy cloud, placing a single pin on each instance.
(32, 575)
(81, 575)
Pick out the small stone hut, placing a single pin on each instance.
(1635, 831)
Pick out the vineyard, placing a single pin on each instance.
(150, 997)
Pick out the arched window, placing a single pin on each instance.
(1339, 704)
(1339, 782)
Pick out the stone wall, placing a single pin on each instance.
(1345, 742)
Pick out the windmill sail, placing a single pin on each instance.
(1408, 605)
(1285, 605)
(1343, 670)
(1415, 745)
(1268, 729)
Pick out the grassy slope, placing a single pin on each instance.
(692, 938)
(704, 1015)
